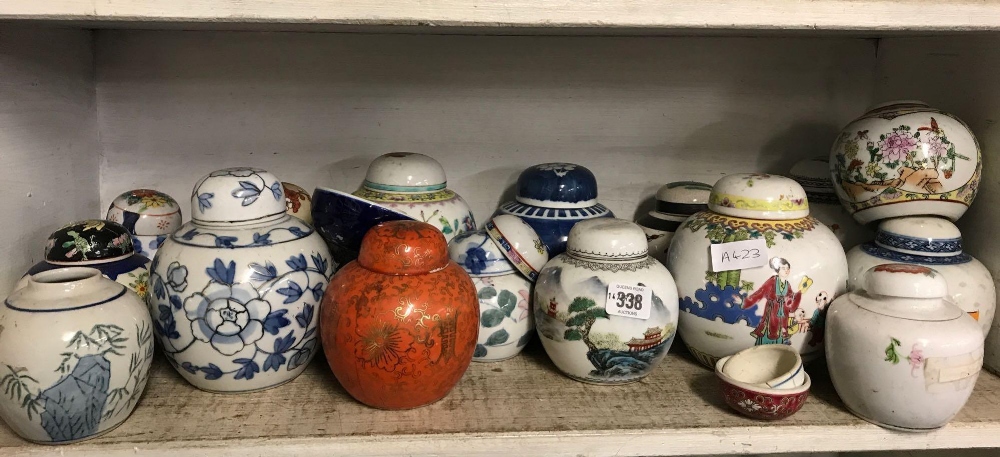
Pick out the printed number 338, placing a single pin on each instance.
(629, 301)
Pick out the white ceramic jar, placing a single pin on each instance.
(934, 242)
(781, 302)
(236, 291)
(75, 352)
(900, 354)
(814, 177)
(904, 158)
(503, 261)
(150, 216)
(572, 298)
(415, 185)
(675, 202)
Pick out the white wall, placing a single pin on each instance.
(48, 140)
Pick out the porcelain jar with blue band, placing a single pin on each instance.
(552, 197)
(75, 352)
(415, 184)
(934, 242)
(235, 293)
(104, 245)
(675, 202)
(150, 216)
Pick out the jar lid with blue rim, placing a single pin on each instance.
(519, 243)
(405, 172)
(918, 239)
(682, 197)
(557, 185)
(88, 242)
(607, 239)
(241, 194)
(759, 196)
(478, 254)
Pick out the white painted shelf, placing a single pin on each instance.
(522, 406)
(567, 16)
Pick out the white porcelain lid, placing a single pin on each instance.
(519, 243)
(405, 172)
(813, 175)
(241, 194)
(478, 254)
(607, 239)
(893, 104)
(901, 280)
(920, 235)
(759, 196)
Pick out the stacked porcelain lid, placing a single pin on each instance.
(150, 216)
(675, 202)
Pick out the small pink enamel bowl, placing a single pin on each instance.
(758, 400)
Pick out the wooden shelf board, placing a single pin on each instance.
(881, 15)
(522, 406)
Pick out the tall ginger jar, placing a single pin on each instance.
(797, 268)
(236, 292)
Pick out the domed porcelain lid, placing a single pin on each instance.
(89, 242)
(920, 235)
(607, 239)
(894, 105)
(682, 197)
(146, 212)
(478, 254)
(405, 172)
(759, 196)
(557, 185)
(905, 290)
(404, 248)
(813, 175)
(519, 243)
(240, 194)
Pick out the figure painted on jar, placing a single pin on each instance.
(818, 319)
(780, 303)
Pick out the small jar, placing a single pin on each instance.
(503, 260)
(150, 216)
(415, 184)
(675, 202)
(900, 354)
(584, 340)
(814, 177)
(298, 203)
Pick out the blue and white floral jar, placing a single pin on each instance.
(503, 261)
(150, 217)
(552, 197)
(236, 291)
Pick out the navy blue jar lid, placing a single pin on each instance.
(557, 185)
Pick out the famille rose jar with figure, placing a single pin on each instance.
(415, 184)
(934, 242)
(675, 202)
(75, 352)
(400, 323)
(298, 203)
(814, 177)
(905, 158)
(104, 245)
(235, 292)
(150, 216)
(605, 311)
(799, 268)
(503, 260)
(551, 198)
(900, 354)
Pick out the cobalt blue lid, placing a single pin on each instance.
(557, 185)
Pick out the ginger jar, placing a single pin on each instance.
(235, 293)
(934, 242)
(552, 197)
(675, 202)
(400, 323)
(900, 354)
(800, 268)
(150, 216)
(503, 260)
(605, 311)
(814, 177)
(415, 184)
(75, 352)
(904, 158)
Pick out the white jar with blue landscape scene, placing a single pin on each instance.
(235, 292)
(583, 339)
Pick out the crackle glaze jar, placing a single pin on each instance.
(900, 354)
(235, 292)
(814, 177)
(503, 260)
(415, 185)
(75, 352)
(298, 203)
(552, 197)
(934, 242)
(904, 158)
(584, 340)
(781, 302)
(104, 245)
(150, 216)
(400, 323)
(675, 202)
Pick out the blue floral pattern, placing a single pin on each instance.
(274, 235)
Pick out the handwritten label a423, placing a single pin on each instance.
(629, 300)
(739, 255)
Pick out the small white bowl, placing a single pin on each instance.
(775, 366)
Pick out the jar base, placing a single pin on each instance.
(484, 360)
(604, 383)
(893, 427)
(80, 440)
(239, 392)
